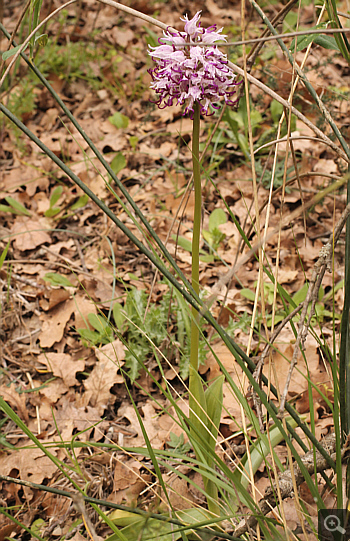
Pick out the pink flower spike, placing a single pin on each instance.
(190, 68)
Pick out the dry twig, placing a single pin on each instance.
(322, 264)
(312, 460)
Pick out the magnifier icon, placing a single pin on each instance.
(332, 524)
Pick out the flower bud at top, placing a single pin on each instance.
(189, 68)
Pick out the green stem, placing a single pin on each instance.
(196, 236)
(197, 400)
(340, 39)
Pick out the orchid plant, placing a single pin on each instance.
(191, 71)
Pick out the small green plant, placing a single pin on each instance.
(53, 210)
(14, 207)
(238, 122)
(265, 174)
(103, 333)
(178, 445)
(22, 98)
(118, 163)
(55, 279)
(119, 120)
(321, 311)
(148, 529)
(3, 440)
(145, 328)
(214, 236)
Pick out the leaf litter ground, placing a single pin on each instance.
(58, 385)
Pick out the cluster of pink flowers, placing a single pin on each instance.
(187, 72)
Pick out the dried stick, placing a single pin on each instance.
(28, 38)
(288, 183)
(273, 337)
(258, 45)
(322, 264)
(301, 74)
(295, 111)
(224, 280)
(79, 504)
(21, 17)
(312, 462)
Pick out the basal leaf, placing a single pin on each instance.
(216, 218)
(41, 40)
(56, 279)
(248, 294)
(92, 337)
(19, 208)
(119, 317)
(184, 243)
(10, 52)
(83, 199)
(4, 254)
(119, 120)
(214, 400)
(327, 42)
(56, 194)
(118, 163)
(53, 211)
(98, 322)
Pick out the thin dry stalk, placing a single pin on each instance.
(295, 111)
(322, 264)
(255, 191)
(313, 461)
(224, 280)
(20, 19)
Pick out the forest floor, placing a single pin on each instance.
(67, 262)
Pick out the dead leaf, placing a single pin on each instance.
(161, 152)
(62, 366)
(122, 37)
(57, 296)
(299, 382)
(114, 352)
(102, 378)
(32, 464)
(30, 233)
(55, 320)
(25, 176)
(150, 421)
(15, 399)
(54, 323)
(126, 474)
(52, 391)
(70, 416)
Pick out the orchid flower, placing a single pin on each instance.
(191, 69)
